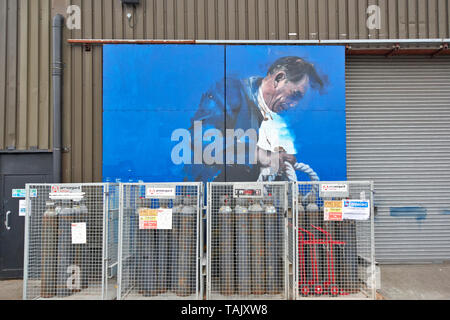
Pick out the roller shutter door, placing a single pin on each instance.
(398, 134)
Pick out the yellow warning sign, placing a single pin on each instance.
(148, 218)
(332, 211)
(155, 219)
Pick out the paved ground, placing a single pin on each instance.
(415, 282)
(11, 290)
(398, 282)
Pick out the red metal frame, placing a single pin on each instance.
(328, 285)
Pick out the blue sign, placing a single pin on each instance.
(21, 193)
(356, 204)
(223, 113)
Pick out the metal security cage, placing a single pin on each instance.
(160, 241)
(333, 240)
(290, 235)
(247, 241)
(71, 241)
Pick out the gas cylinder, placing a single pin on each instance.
(80, 213)
(256, 217)
(163, 262)
(226, 243)
(186, 250)
(349, 271)
(338, 251)
(49, 251)
(317, 253)
(139, 249)
(148, 255)
(173, 243)
(243, 270)
(301, 217)
(313, 214)
(272, 271)
(332, 254)
(67, 278)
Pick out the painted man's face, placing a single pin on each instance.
(288, 94)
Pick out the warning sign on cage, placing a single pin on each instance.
(61, 192)
(329, 190)
(356, 209)
(332, 211)
(79, 233)
(155, 219)
(151, 192)
(247, 190)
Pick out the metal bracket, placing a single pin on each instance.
(348, 48)
(443, 47)
(394, 50)
(87, 47)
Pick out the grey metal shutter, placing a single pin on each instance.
(398, 134)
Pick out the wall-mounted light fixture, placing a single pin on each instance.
(130, 15)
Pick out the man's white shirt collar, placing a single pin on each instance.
(263, 108)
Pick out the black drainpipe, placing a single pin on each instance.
(58, 23)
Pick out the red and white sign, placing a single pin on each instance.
(331, 190)
(58, 191)
(56, 188)
(151, 192)
(334, 187)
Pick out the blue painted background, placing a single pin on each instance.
(318, 122)
(151, 90)
(148, 91)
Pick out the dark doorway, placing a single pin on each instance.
(16, 170)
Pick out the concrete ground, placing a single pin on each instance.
(11, 290)
(415, 282)
(398, 282)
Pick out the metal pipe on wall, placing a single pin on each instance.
(57, 71)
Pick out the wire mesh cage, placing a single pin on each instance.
(247, 241)
(160, 241)
(71, 241)
(333, 241)
(290, 234)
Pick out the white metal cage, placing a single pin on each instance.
(71, 241)
(333, 243)
(247, 241)
(160, 241)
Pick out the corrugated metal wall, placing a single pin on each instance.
(398, 120)
(26, 112)
(25, 78)
(267, 19)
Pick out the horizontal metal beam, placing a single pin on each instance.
(324, 42)
(24, 151)
(390, 52)
(127, 41)
(395, 50)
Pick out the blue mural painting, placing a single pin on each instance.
(223, 113)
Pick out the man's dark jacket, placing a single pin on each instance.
(237, 109)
